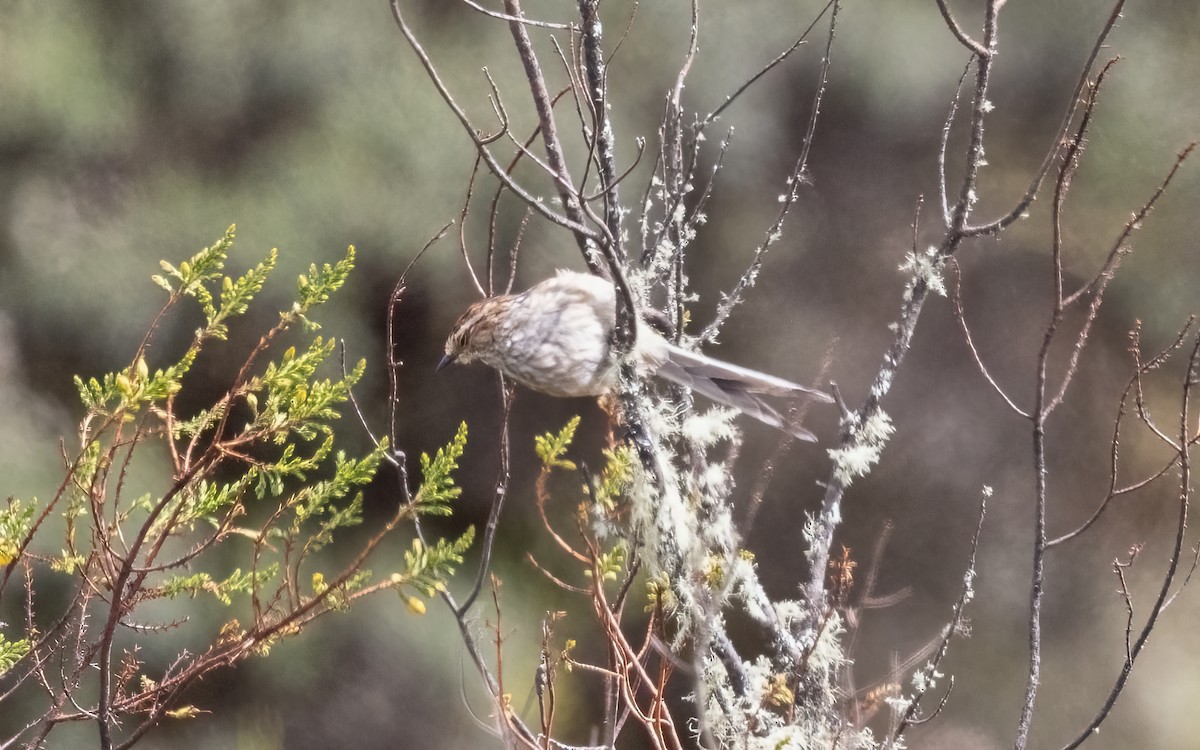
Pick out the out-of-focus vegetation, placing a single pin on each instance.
(136, 130)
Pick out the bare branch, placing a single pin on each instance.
(791, 194)
(549, 130)
(571, 222)
(1120, 247)
(992, 227)
(960, 316)
(975, 47)
(521, 19)
(945, 145)
(733, 97)
(507, 395)
(1184, 500)
(1113, 491)
(596, 74)
(912, 713)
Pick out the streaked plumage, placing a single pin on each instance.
(556, 337)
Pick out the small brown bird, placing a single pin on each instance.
(556, 337)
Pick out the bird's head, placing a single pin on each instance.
(472, 334)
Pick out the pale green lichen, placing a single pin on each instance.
(926, 267)
(710, 427)
(753, 719)
(862, 451)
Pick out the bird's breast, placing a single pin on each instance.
(558, 345)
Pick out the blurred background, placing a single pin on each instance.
(134, 131)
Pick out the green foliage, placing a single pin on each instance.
(67, 563)
(262, 455)
(205, 419)
(256, 472)
(613, 481)
(551, 448)
(15, 520)
(236, 583)
(339, 598)
(319, 500)
(296, 401)
(318, 284)
(206, 499)
(659, 594)
(616, 477)
(427, 568)
(12, 652)
(236, 295)
(289, 405)
(437, 476)
(714, 570)
(189, 278)
(610, 563)
(131, 389)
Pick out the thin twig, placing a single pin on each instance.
(1185, 479)
(507, 394)
(733, 97)
(975, 47)
(911, 714)
(545, 114)
(567, 222)
(596, 75)
(521, 19)
(791, 195)
(960, 316)
(916, 292)
(945, 144)
(997, 225)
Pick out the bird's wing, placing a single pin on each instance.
(750, 381)
(738, 392)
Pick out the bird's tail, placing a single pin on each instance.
(738, 387)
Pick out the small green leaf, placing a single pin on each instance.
(12, 652)
(15, 520)
(318, 284)
(550, 448)
(437, 486)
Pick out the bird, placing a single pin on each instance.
(556, 337)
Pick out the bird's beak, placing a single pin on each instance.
(448, 359)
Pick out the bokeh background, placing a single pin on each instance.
(134, 131)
